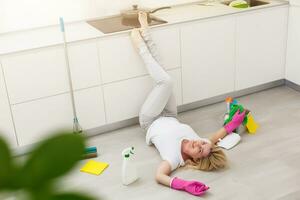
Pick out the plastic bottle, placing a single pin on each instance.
(129, 172)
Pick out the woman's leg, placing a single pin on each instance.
(160, 94)
(170, 109)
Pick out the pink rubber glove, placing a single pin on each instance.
(236, 121)
(193, 187)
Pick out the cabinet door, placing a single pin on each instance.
(293, 47)
(90, 107)
(84, 64)
(261, 47)
(207, 58)
(6, 124)
(35, 74)
(123, 100)
(42, 73)
(119, 60)
(36, 119)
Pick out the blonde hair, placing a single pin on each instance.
(215, 160)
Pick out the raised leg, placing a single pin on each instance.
(157, 99)
(170, 109)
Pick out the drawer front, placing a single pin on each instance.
(84, 63)
(42, 73)
(119, 60)
(35, 74)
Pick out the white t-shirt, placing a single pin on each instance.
(167, 133)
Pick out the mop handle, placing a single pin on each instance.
(62, 28)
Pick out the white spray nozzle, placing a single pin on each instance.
(127, 152)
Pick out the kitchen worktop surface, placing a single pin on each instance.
(77, 31)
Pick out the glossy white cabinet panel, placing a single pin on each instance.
(177, 85)
(295, 2)
(261, 47)
(35, 74)
(207, 58)
(6, 124)
(84, 64)
(124, 99)
(41, 73)
(90, 107)
(167, 41)
(293, 47)
(119, 60)
(35, 120)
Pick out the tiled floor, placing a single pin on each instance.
(263, 166)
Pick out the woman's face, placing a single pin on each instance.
(198, 149)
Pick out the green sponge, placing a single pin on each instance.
(239, 4)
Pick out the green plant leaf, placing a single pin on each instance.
(6, 166)
(51, 159)
(71, 196)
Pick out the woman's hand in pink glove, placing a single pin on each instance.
(193, 187)
(236, 121)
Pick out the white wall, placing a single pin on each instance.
(25, 14)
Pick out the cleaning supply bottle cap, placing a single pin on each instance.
(228, 99)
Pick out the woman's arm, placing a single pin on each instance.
(163, 173)
(220, 134)
(236, 121)
(163, 177)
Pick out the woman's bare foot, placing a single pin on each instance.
(143, 19)
(136, 38)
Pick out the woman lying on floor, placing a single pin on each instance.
(176, 142)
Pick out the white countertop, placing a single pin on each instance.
(49, 36)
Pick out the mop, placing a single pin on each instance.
(76, 127)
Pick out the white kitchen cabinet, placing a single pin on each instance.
(293, 46)
(123, 99)
(167, 41)
(42, 72)
(90, 107)
(37, 119)
(261, 47)
(35, 74)
(294, 2)
(6, 124)
(84, 64)
(207, 49)
(119, 60)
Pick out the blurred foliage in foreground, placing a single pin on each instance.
(37, 177)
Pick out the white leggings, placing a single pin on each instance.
(161, 100)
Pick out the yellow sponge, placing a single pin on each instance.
(94, 167)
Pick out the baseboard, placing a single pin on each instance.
(182, 108)
(234, 94)
(112, 127)
(292, 85)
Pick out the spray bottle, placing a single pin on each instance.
(228, 101)
(129, 172)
